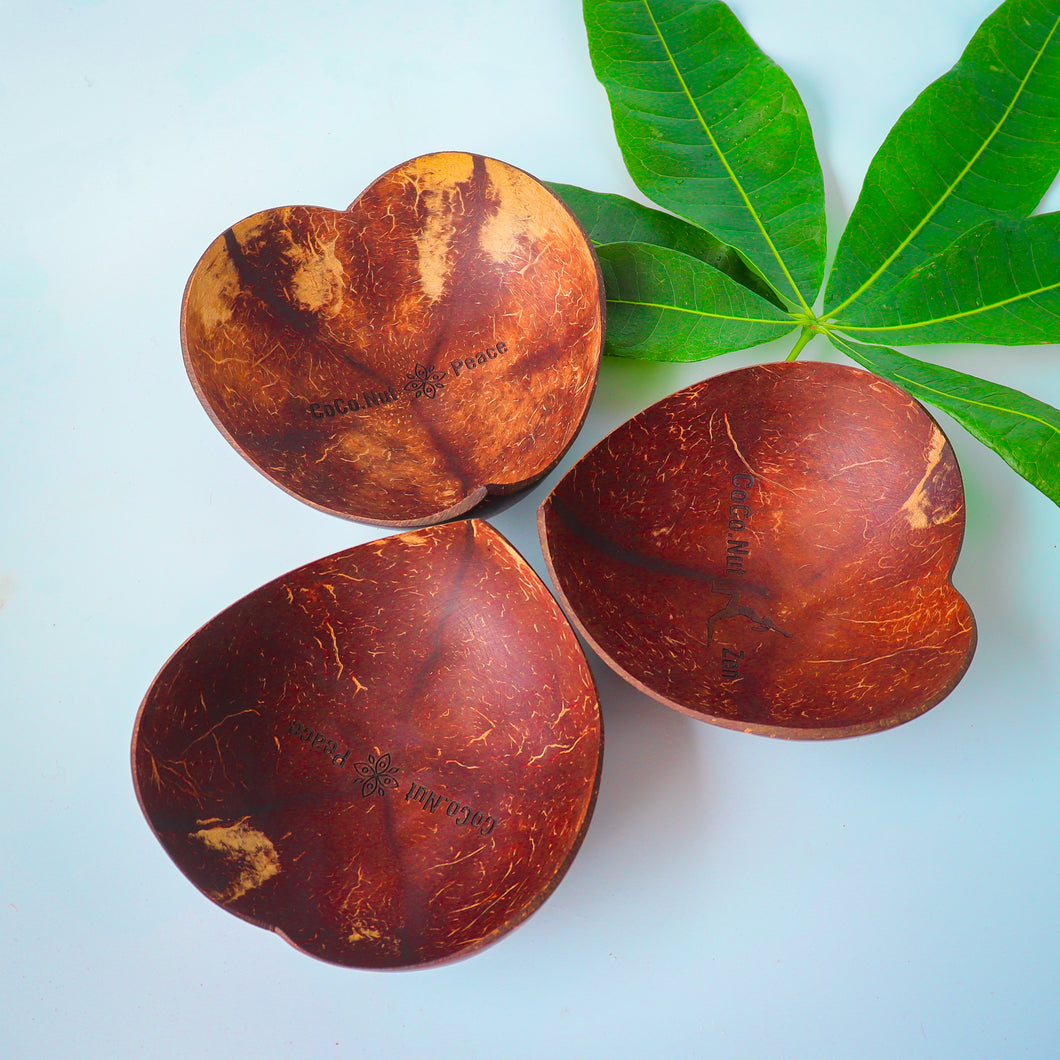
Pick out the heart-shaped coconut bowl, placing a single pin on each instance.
(771, 550)
(388, 756)
(397, 362)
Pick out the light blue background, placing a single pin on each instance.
(889, 897)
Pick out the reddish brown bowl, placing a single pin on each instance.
(389, 756)
(771, 550)
(397, 362)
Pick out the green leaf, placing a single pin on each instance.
(1023, 431)
(714, 131)
(615, 219)
(981, 143)
(999, 283)
(941, 247)
(666, 306)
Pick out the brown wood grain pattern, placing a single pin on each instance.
(396, 362)
(389, 756)
(771, 550)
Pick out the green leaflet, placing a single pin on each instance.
(999, 283)
(981, 143)
(1023, 431)
(615, 219)
(665, 305)
(714, 131)
(942, 246)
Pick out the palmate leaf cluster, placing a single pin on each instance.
(943, 244)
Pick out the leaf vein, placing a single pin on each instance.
(696, 312)
(963, 315)
(723, 158)
(980, 404)
(951, 189)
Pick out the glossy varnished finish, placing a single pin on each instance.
(389, 756)
(396, 362)
(771, 550)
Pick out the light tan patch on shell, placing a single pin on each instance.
(918, 507)
(434, 243)
(436, 180)
(215, 289)
(444, 168)
(418, 539)
(318, 281)
(526, 219)
(248, 854)
(363, 933)
(317, 277)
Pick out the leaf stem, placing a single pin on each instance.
(808, 332)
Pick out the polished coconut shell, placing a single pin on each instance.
(388, 756)
(771, 550)
(398, 361)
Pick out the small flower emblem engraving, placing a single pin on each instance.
(377, 774)
(424, 381)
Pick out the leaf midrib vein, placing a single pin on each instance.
(963, 400)
(698, 312)
(957, 181)
(963, 315)
(722, 157)
(979, 404)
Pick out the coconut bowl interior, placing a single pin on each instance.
(771, 550)
(397, 362)
(388, 756)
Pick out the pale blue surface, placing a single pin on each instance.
(889, 897)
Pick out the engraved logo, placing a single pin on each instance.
(317, 741)
(733, 608)
(477, 820)
(377, 774)
(369, 399)
(737, 555)
(424, 381)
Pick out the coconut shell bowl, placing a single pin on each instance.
(771, 550)
(388, 756)
(397, 362)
